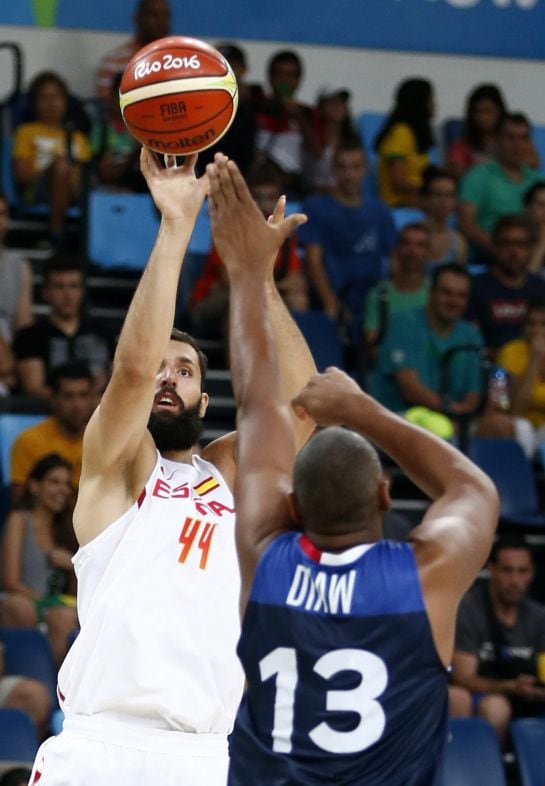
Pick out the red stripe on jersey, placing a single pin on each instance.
(36, 778)
(61, 695)
(309, 548)
(141, 498)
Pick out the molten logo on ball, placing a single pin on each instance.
(178, 95)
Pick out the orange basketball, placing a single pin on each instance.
(178, 95)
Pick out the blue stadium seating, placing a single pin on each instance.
(18, 736)
(320, 332)
(528, 735)
(11, 425)
(504, 461)
(28, 653)
(473, 756)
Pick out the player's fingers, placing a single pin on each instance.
(279, 211)
(290, 224)
(190, 162)
(298, 409)
(238, 183)
(170, 161)
(214, 185)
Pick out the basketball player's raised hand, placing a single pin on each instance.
(243, 238)
(330, 398)
(176, 190)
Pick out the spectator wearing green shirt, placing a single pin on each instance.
(497, 187)
(408, 371)
(407, 287)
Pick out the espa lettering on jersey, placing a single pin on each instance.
(166, 63)
(164, 490)
(327, 592)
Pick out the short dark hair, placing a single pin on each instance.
(513, 221)
(285, 56)
(76, 369)
(517, 118)
(266, 173)
(232, 53)
(532, 191)
(186, 338)
(419, 226)
(454, 268)
(505, 542)
(349, 145)
(431, 174)
(64, 261)
(335, 481)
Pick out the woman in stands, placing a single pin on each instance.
(485, 108)
(47, 154)
(38, 545)
(404, 142)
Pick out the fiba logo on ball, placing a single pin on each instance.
(178, 95)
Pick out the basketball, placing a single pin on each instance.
(178, 95)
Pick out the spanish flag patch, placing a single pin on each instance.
(206, 486)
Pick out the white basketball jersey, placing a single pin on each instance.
(158, 600)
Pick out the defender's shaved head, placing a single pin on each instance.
(336, 478)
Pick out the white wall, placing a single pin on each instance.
(371, 75)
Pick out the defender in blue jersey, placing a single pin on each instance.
(346, 637)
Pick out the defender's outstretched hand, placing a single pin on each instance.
(242, 236)
(176, 191)
(329, 398)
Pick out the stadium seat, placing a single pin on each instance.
(11, 425)
(406, 215)
(18, 736)
(121, 229)
(28, 653)
(473, 756)
(320, 332)
(369, 124)
(504, 462)
(528, 735)
(538, 136)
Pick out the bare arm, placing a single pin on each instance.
(23, 312)
(465, 668)
(468, 226)
(318, 277)
(415, 392)
(31, 374)
(118, 451)
(11, 555)
(453, 541)
(248, 244)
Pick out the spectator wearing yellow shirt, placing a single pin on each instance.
(524, 359)
(72, 403)
(46, 155)
(404, 142)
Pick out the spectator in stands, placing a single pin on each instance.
(239, 143)
(63, 335)
(337, 128)
(499, 297)
(438, 202)
(71, 406)
(496, 187)
(16, 776)
(152, 21)
(47, 155)
(347, 239)
(409, 371)
(209, 302)
(287, 130)
(524, 359)
(37, 550)
(15, 283)
(534, 207)
(407, 287)
(485, 108)
(25, 694)
(116, 151)
(404, 142)
(500, 632)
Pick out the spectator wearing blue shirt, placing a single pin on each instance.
(408, 371)
(499, 297)
(347, 238)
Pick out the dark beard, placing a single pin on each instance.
(176, 432)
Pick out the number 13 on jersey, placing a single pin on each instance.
(282, 664)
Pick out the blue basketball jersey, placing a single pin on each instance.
(344, 683)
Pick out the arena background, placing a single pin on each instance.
(367, 46)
